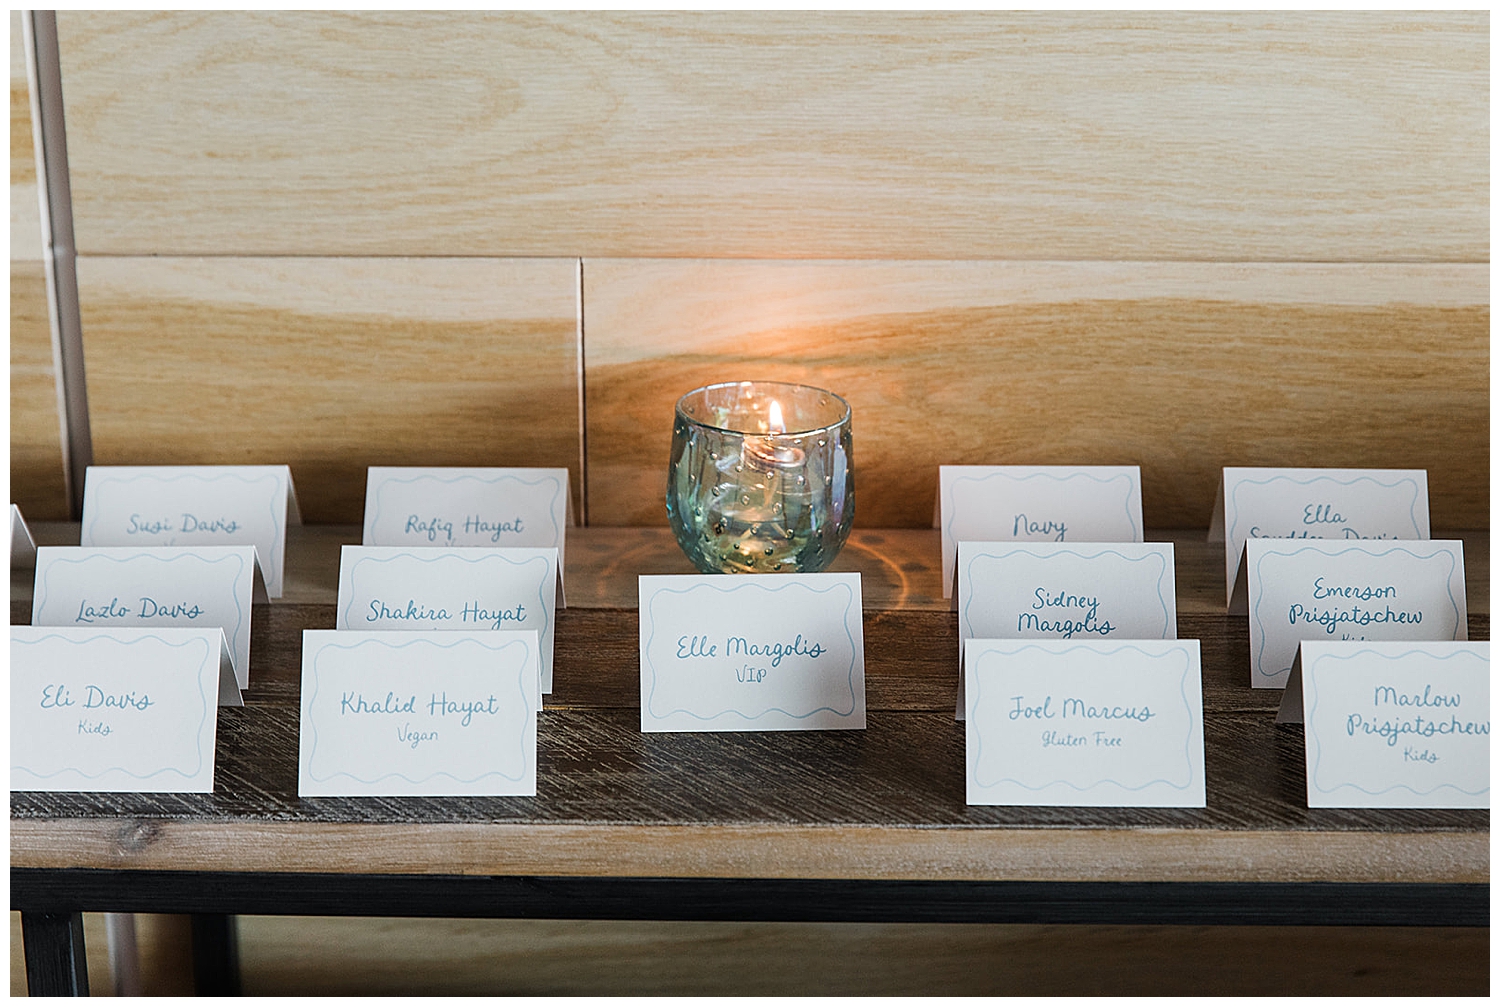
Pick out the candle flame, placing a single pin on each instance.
(777, 424)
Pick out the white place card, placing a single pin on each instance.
(22, 545)
(768, 652)
(116, 709)
(418, 713)
(193, 505)
(453, 507)
(1393, 725)
(1036, 503)
(1324, 589)
(189, 587)
(1315, 503)
(1057, 591)
(1063, 722)
(383, 588)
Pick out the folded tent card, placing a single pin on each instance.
(193, 505)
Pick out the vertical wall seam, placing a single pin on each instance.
(583, 413)
(59, 254)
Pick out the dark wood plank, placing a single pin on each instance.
(56, 965)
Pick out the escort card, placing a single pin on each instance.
(770, 652)
(1036, 503)
(448, 507)
(1394, 725)
(22, 545)
(1348, 590)
(188, 587)
(1063, 722)
(1053, 591)
(418, 713)
(115, 710)
(384, 588)
(193, 505)
(1315, 503)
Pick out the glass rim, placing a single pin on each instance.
(841, 421)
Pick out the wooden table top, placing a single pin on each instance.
(883, 803)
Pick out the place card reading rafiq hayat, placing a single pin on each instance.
(418, 714)
(767, 652)
(1064, 723)
(1036, 503)
(116, 710)
(1055, 591)
(193, 505)
(1325, 589)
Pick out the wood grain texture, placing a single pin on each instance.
(1181, 368)
(25, 213)
(36, 458)
(1289, 136)
(332, 365)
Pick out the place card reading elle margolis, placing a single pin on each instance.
(121, 709)
(1071, 723)
(193, 505)
(190, 587)
(1314, 503)
(383, 588)
(1393, 724)
(1056, 591)
(1036, 503)
(769, 652)
(418, 713)
(1332, 589)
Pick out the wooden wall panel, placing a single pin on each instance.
(1180, 368)
(331, 365)
(1345, 136)
(25, 214)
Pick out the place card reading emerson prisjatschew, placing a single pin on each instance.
(193, 505)
(762, 652)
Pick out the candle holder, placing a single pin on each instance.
(761, 478)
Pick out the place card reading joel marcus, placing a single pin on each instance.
(193, 505)
(1315, 503)
(22, 545)
(770, 652)
(1324, 589)
(187, 587)
(485, 507)
(1393, 725)
(418, 713)
(1036, 503)
(1062, 722)
(115, 710)
(383, 588)
(1053, 591)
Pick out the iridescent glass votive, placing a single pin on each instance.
(761, 478)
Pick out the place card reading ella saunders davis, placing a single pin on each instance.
(770, 652)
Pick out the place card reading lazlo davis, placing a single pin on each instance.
(193, 505)
(769, 652)
(418, 713)
(1054, 591)
(452, 507)
(457, 589)
(1036, 503)
(115, 710)
(1395, 725)
(1349, 590)
(1315, 503)
(189, 587)
(22, 545)
(1060, 722)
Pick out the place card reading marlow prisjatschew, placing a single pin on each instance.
(185, 586)
(383, 588)
(772, 652)
(193, 505)
(418, 713)
(1393, 724)
(453, 507)
(1057, 591)
(1083, 724)
(1326, 589)
(22, 545)
(121, 709)
(1036, 503)
(1314, 503)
